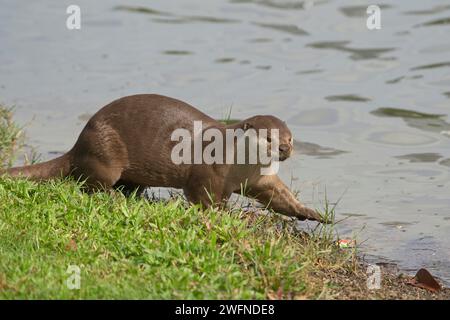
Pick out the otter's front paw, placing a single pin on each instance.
(309, 214)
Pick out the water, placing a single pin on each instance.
(369, 109)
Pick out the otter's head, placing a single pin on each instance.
(285, 140)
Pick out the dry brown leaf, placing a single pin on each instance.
(425, 280)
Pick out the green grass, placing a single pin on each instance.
(11, 137)
(12, 140)
(128, 247)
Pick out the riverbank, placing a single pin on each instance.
(60, 243)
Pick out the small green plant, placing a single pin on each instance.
(12, 140)
(226, 119)
(11, 137)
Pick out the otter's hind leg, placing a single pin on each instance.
(98, 176)
(272, 192)
(99, 156)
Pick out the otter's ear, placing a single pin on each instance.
(247, 126)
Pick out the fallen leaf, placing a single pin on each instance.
(423, 279)
(71, 245)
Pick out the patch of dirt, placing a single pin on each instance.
(393, 286)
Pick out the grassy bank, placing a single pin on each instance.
(129, 247)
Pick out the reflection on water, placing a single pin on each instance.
(85, 117)
(312, 149)
(437, 22)
(224, 60)
(206, 19)
(445, 162)
(432, 66)
(348, 98)
(145, 10)
(287, 28)
(369, 110)
(360, 11)
(278, 4)
(356, 54)
(415, 119)
(398, 224)
(421, 157)
(403, 113)
(425, 157)
(317, 71)
(433, 10)
(397, 80)
(177, 52)
(176, 18)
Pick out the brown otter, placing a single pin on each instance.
(128, 143)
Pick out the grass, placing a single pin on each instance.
(11, 137)
(128, 247)
(12, 140)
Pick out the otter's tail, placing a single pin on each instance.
(56, 168)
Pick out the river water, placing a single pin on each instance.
(369, 109)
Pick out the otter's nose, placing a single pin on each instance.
(284, 147)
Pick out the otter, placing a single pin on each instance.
(127, 144)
